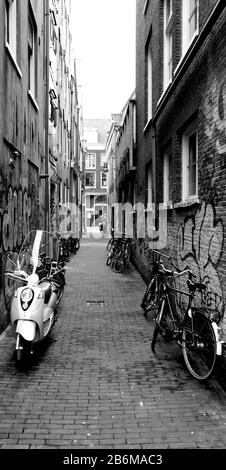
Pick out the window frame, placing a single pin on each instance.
(32, 56)
(11, 26)
(149, 79)
(103, 159)
(187, 14)
(190, 131)
(90, 167)
(167, 178)
(168, 45)
(12, 29)
(94, 173)
(103, 173)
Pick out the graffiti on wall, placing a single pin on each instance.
(215, 114)
(200, 237)
(15, 219)
(15, 222)
(200, 244)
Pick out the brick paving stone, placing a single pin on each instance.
(95, 384)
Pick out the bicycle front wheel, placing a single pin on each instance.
(149, 297)
(199, 345)
(110, 244)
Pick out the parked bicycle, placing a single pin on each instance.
(196, 329)
(152, 293)
(68, 247)
(119, 251)
(122, 256)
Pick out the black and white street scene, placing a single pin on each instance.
(112, 230)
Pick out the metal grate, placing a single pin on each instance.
(95, 303)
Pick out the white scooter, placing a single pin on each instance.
(33, 306)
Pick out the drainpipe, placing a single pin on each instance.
(154, 163)
(47, 173)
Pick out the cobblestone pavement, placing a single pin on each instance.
(95, 382)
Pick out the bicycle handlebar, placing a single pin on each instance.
(175, 273)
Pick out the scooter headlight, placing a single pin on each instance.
(26, 295)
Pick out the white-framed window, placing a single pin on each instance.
(145, 7)
(190, 162)
(190, 22)
(103, 159)
(167, 178)
(11, 29)
(90, 179)
(32, 55)
(149, 184)
(149, 81)
(103, 179)
(167, 42)
(134, 124)
(90, 160)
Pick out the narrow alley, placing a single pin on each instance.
(95, 384)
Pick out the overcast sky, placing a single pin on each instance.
(104, 46)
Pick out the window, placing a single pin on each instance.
(145, 7)
(149, 81)
(149, 175)
(90, 202)
(11, 23)
(167, 42)
(167, 178)
(32, 55)
(90, 160)
(103, 180)
(190, 163)
(90, 178)
(189, 22)
(101, 199)
(103, 159)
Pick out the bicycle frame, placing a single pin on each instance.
(197, 333)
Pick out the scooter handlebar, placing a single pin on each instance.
(19, 275)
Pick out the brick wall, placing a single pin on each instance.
(21, 130)
(195, 232)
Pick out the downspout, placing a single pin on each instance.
(47, 179)
(154, 164)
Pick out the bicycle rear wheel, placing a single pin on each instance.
(199, 345)
(165, 322)
(120, 264)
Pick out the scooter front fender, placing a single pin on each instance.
(27, 329)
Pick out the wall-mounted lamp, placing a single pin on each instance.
(14, 155)
(52, 94)
(117, 127)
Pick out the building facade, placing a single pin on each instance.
(181, 135)
(121, 168)
(112, 186)
(95, 209)
(65, 154)
(23, 78)
(40, 151)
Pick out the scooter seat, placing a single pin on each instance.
(47, 288)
